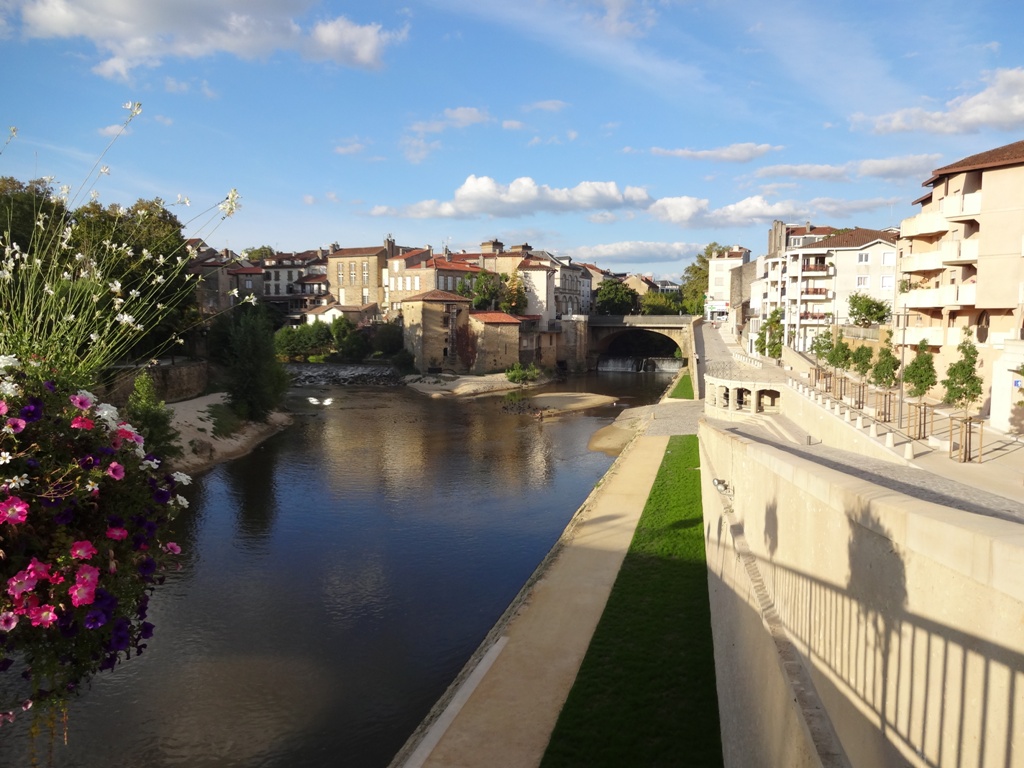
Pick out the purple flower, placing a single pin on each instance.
(147, 567)
(95, 619)
(161, 496)
(146, 631)
(65, 516)
(33, 411)
(50, 386)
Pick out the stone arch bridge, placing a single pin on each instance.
(602, 329)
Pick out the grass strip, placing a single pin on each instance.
(683, 390)
(645, 693)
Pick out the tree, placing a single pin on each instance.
(840, 354)
(694, 285)
(485, 291)
(513, 298)
(257, 254)
(883, 372)
(388, 339)
(920, 372)
(866, 311)
(769, 337)
(341, 327)
(821, 345)
(657, 303)
(152, 418)
(861, 359)
(256, 381)
(963, 384)
(21, 205)
(615, 298)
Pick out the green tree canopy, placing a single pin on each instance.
(769, 336)
(262, 252)
(862, 358)
(963, 384)
(657, 303)
(840, 354)
(866, 311)
(884, 371)
(486, 290)
(615, 298)
(821, 345)
(920, 372)
(694, 286)
(513, 297)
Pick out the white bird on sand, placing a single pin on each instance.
(328, 401)
(313, 400)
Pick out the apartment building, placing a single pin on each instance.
(719, 298)
(961, 263)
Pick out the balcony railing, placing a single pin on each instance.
(929, 261)
(930, 223)
(962, 206)
(943, 296)
(815, 268)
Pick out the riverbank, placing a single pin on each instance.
(543, 405)
(202, 450)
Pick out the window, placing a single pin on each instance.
(889, 258)
(416, 283)
(290, 278)
(366, 296)
(408, 283)
(863, 257)
(863, 281)
(366, 273)
(341, 273)
(351, 273)
(888, 282)
(248, 283)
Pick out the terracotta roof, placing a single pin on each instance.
(1011, 154)
(368, 250)
(312, 279)
(437, 295)
(812, 230)
(494, 317)
(416, 252)
(852, 238)
(439, 262)
(246, 271)
(319, 310)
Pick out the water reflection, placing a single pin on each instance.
(334, 582)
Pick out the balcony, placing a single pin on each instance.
(815, 294)
(956, 207)
(928, 261)
(958, 252)
(813, 318)
(952, 296)
(933, 335)
(966, 294)
(816, 268)
(931, 223)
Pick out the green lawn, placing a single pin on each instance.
(645, 694)
(683, 389)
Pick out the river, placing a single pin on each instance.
(335, 581)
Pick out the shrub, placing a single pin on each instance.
(151, 416)
(519, 375)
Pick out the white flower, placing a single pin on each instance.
(184, 201)
(181, 501)
(93, 194)
(230, 203)
(91, 486)
(181, 477)
(125, 319)
(233, 292)
(5, 457)
(17, 481)
(9, 361)
(134, 293)
(108, 413)
(115, 286)
(251, 298)
(151, 464)
(9, 389)
(105, 171)
(158, 280)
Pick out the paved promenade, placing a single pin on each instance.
(502, 710)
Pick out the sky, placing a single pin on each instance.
(626, 133)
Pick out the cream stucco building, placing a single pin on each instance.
(961, 261)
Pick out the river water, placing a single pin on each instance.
(336, 580)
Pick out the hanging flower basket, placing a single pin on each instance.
(83, 514)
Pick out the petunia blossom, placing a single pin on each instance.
(42, 615)
(8, 621)
(173, 548)
(82, 594)
(20, 583)
(82, 550)
(3, 408)
(13, 510)
(15, 425)
(115, 471)
(117, 534)
(81, 422)
(81, 401)
(87, 574)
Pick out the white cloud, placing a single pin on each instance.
(349, 147)
(416, 149)
(163, 120)
(633, 252)
(513, 125)
(752, 210)
(734, 153)
(483, 196)
(112, 130)
(550, 105)
(845, 209)
(308, 200)
(679, 210)
(1000, 105)
(132, 35)
(572, 135)
(175, 86)
(891, 168)
(459, 117)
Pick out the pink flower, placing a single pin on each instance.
(20, 583)
(117, 534)
(115, 471)
(81, 402)
(8, 621)
(3, 407)
(39, 570)
(82, 594)
(13, 510)
(173, 548)
(82, 550)
(87, 575)
(80, 422)
(16, 425)
(42, 616)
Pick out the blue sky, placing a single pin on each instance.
(629, 133)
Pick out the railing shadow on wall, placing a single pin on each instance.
(939, 696)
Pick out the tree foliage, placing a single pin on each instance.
(152, 418)
(884, 371)
(821, 345)
(256, 381)
(840, 354)
(866, 311)
(962, 383)
(486, 290)
(861, 359)
(920, 372)
(260, 252)
(615, 298)
(513, 297)
(694, 285)
(769, 336)
(657, 303)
